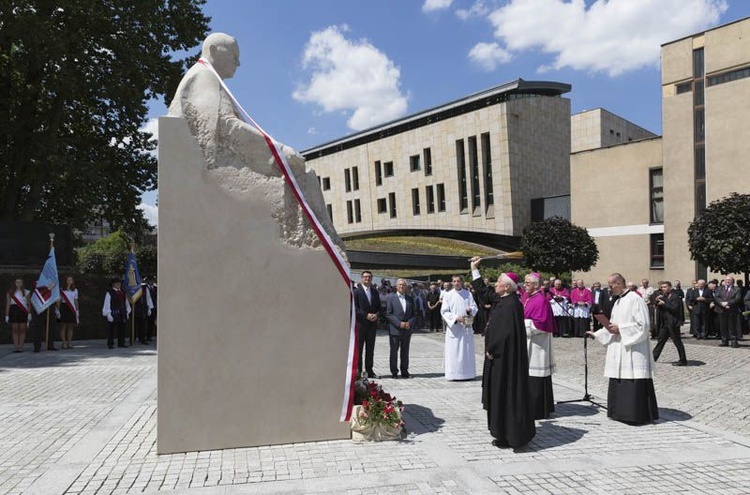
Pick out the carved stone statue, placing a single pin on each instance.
(237, 153)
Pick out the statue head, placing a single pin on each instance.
(223, 52)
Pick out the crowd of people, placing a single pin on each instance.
(117, 307)
(519, 332)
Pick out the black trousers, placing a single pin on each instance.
(699, 324)
(665, 333)
(141, 328)
(400, 342)
(435, 319)
(562, 323)
(581, 326)
(366, 339)
(729, 327)
(116, 328)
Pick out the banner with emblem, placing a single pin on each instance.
(132, 280)
(47, 288)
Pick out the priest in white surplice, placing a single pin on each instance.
(629, 366)
(458, 304)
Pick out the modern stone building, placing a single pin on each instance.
(468, 169)
(597, 128)
(653, 189)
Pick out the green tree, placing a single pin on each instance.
(76, 76)
(557, 246)
(719, 238)
(106, 256)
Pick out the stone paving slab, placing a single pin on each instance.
(84, 422)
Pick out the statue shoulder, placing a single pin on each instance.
(198, 80)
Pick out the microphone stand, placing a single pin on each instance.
(586, 396)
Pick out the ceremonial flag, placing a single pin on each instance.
(132, 280)
(47, 288)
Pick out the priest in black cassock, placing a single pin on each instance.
(505, 380)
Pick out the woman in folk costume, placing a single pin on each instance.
(67, 308)
(458, 310)
(18, 313)
(540, 326)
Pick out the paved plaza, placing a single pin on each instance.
(83, 421)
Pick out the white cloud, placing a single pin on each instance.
(152, 127)
(312, 131)
(489, 55)
(151, 213)
(478, 9)
(613, 36)
(433, 5)
(351, 76)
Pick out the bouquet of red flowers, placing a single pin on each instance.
(377, 414)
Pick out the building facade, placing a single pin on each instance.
(471, 166)
(592, 129)
(705, 114)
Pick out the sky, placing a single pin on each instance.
(315, 71)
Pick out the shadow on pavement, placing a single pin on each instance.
(673, 414)
(580, 409)
(424, 421)
(549, 434)
(82, 351)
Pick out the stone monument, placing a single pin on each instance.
(254, 314)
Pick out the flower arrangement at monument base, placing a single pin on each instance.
(376, 415)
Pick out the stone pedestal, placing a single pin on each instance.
(253, 334)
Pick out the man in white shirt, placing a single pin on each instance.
(629, 365)
(458, 310)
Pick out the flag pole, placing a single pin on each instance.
(46, 331)
(132, 306)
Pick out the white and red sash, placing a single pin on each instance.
(20, 304)
(70, 304)
(338, 261)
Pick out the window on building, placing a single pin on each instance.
(378, 174)
(349, 212)
(326, 183)
(357, 211)
(392, 204)
(441, 197)
(388, 166)
(427, 155)
(347, 180)
(700, 125)
(726, 77)
(474, 171)
(700, 163)
(489, 196)
(698, 63)
(698, 95)
(330, 212)
(430, 194)
(355, 178)
(657, 251)
(415, 201)
(685, 87)
(463, 193)
(382, 205)
(414, 163)
(656, 185)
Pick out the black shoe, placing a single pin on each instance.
(122, 345)
(372, 374)
(394, 376)
(680, 363)
(723, 344)
(500, 445)
(735, 345)
(52, 348)
(405, 375)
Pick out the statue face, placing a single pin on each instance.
(225, 58)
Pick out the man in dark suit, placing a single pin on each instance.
(700, 300)
(669, 309)
(728, 304)
(368, 309)
(688, 298)
(601, 297)
(401, 316)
